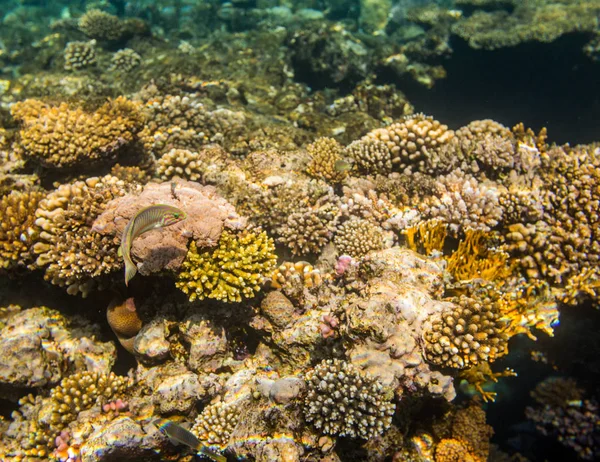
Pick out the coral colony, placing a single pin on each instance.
(350, 275)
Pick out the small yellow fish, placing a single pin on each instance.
(178, 434)
(148, 218)
(342, 165)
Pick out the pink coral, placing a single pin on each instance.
(165, 248)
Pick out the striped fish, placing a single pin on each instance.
(178, 434)
(148, 218)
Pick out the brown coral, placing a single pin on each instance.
(357, 237)
(326, 156)
(100, 25)
(62, 136)
(17, 228)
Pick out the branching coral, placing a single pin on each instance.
(79, 55)
(326, 156)
(190, 165)
(125, 60)
(17, 228)
(68, 250)
(357, 237)
(100, 25)
(342, 400)
(235, 269)
(216, 422)
(62, 136)
(470, 333)
(371, 155)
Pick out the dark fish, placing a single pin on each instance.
(148, 218)
(178, 434)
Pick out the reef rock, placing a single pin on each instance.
(36, 344)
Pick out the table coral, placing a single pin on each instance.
(235, 269)
(17, 228)
(64, 136)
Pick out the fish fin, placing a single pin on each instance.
(130, 270)
(212, 455)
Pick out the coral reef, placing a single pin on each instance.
(100, 25)
(79, 55)
(342, 400)
(63, 136)
(125, 60)
(234, 269)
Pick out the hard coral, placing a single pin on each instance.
(125, 60)
(79, 55)
(62, 136)
(100, 25)
(17, 228)
(208, 215)
(70, 252)
(357, 237)
(234, 269)
(216, 422)
(325, 154)
(341, 400)
(470, 333)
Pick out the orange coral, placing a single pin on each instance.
(63, 136)
(430, 235)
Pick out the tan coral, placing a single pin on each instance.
(326, 155)
(357, 237)
(215, 423)
(62, 136)
(101, 25)
(17, 228)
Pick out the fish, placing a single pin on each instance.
(146, 219)
(179, 435)
(342, 165)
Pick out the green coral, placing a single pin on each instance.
(235, 269)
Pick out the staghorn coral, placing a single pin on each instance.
(63, 136)
(470, 333)
(326, 154)
(341, 400)
(79, 55)
(208, 215)
(100, 25)
(17, 229)
(68, 250)
(216, 422)
(125, 60)
(357, 237)
(235, 269)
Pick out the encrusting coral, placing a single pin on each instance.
(233, 270)
(17, 228)
(341, 400)
(64, 136)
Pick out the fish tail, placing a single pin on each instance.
(130, 270)
(211, 455)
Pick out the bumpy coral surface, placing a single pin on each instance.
(234, 269)
(342, 400)
(17, 228)
(63, 136)
(100, 25)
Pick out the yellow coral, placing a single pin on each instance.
(17, 228)
(480, 375)
(62, 136)
(474, 260)
(453, 450)
(235, 269)
(429, 235)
